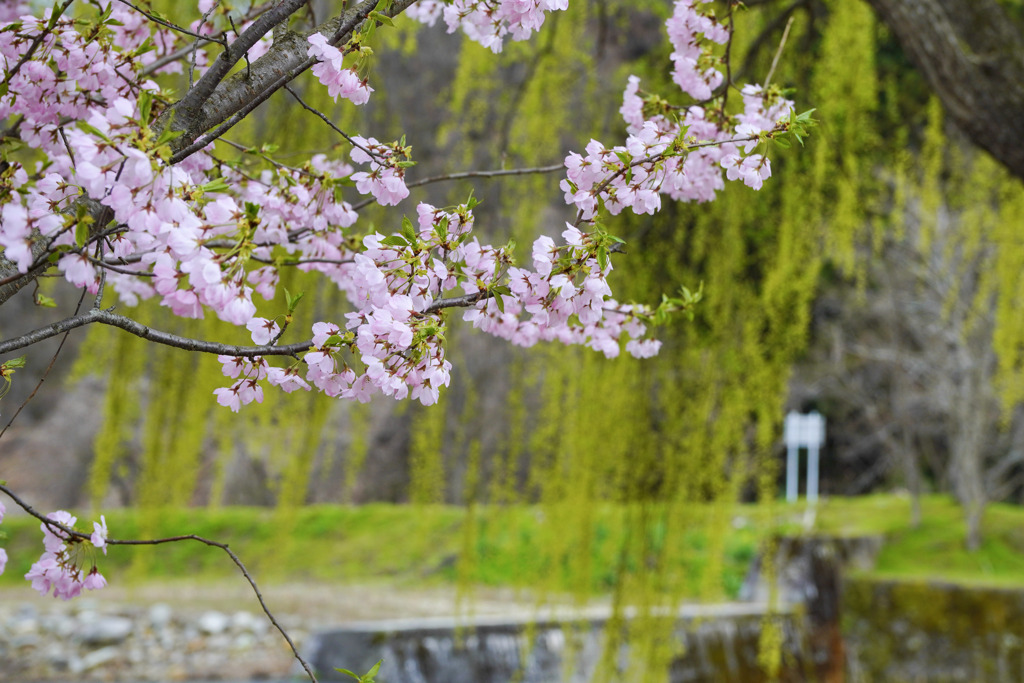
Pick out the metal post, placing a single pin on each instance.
(812, 473)
(792, 472)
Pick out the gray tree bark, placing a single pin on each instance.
(972, 56)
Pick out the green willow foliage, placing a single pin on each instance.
(662, 447)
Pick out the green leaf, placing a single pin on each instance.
(408, 230)
(215, 185)
(45, 301)
(18, 362)
(167, 135)
(292, 300)
(348, 673)
(382, 18)
(145, 106)
(81, 233)
(89, 128)
(394, 241)
(373, 671)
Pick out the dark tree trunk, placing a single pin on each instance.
(972, 56)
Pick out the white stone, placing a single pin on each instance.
(243, 641)
(99, 657)
(106, 630)
(242, 621)
(213, 622)
(160, 615)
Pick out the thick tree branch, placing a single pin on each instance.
(107, 317)
(234, 97)
(972, 56)
(201, 91)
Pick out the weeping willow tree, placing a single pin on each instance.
(656, 448)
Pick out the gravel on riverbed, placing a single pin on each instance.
(187, 632)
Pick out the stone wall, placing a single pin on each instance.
(716, 644)
(935, 632)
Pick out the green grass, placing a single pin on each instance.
(934, 550)
(527, 547)
(515, 546)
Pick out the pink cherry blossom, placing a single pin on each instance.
(99, 534)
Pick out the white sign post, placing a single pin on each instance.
(803, 431)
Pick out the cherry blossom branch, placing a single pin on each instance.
(660, 156)
(108, 317)
(69, 532)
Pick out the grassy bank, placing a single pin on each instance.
(935, 549)
(526, 547)
(515, 547)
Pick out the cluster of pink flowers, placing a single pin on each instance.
(683, 159)
(330, 71)
(690, 30)
(386, 178)
(62, 567)
(565, 298)
(488, 21)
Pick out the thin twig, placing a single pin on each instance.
(166, 24)
(185, 51)
(68, 533)
(223, 42)
(326, 120)
(778, 53)
(487, 174)
(45, 374)
(470, 174)
(728, 60)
